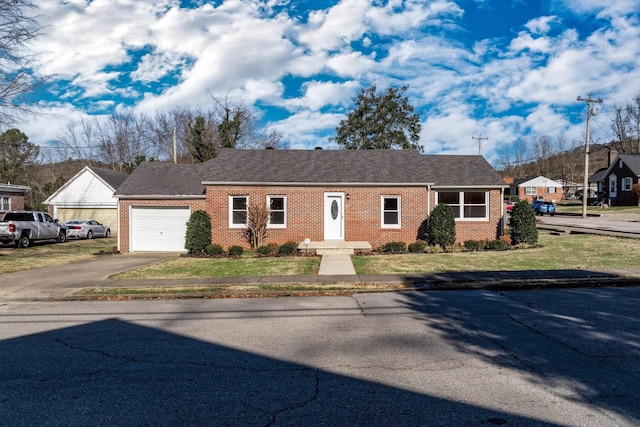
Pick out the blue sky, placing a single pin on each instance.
(505, 69)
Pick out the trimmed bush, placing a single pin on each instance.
(497, 244)
(474, 245)
(288, 248)
(441, 229)
(214, 250)
(236, 250)
(198, 235)
(264, 250)
(394, 247)
(417, 247)
(523, 224)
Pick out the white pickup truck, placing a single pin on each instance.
(24, 227)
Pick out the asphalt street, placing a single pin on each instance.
(522, 358)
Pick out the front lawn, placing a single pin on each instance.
(570, 251)
(48, 253)
(187, 267)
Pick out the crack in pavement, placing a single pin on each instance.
(315, 374)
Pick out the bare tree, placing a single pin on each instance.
(625, 127)
(542, 149)
(17, 76)
(257, 221)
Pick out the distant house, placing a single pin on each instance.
(374, 196)
(12, 197)
(88, 194)
(539, 188)
(619, 178)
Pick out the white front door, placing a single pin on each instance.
(333, 216)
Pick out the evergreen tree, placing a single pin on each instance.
(383, 121)
(441, 229)
(523, 224)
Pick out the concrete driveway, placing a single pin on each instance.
(58, 281)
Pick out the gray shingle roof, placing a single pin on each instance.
(311, 167)
(632, 161)
(113, 178)
(163, 179)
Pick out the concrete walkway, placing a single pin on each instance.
(336, 265)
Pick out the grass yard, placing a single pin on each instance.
(45, 254)
(185, 267)
(574, 207)
(571, 251)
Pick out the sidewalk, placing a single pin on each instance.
(63, 281)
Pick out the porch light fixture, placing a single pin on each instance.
(348, 196)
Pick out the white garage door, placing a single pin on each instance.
(157, 229)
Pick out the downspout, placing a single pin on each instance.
(502, 212)
(428, 204)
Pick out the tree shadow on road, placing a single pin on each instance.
(581, 344)
(114, 372)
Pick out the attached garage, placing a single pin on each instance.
(158, 229)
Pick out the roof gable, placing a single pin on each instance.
(90, 186)
(631, 160)
(540, 181)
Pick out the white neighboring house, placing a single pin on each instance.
(89, 194)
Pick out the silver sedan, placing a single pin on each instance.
(86, 229)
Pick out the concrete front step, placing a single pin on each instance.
(334, 247)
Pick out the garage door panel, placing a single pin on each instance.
(158, 229)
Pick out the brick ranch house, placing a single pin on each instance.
(376, 196)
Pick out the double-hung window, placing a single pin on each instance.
(4, 203)
(551, 190)
(238, 211)
(391, 212)
(466, 204)
(277, 211)
(627, 183)
(530, 191)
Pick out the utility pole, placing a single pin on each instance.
(585, 185)
(480, 138)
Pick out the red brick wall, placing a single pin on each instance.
(305, 214)
(124, 235)
(541, 194)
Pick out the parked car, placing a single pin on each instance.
(541, 207)
(86, 229)
(508, 205)
(24, 227)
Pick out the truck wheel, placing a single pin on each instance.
(24, 241)
(62, 237)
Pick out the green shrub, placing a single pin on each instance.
(394, 247)
(417, 247)
(497, 244)
(214, 250)
(474, 245)
(288, 248)
(236, 250)
(264, 250)
(523, 224)
(198, 235)
(441, 229)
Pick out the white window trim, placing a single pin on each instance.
(231, 224)
(2, 203)
(627, 184)
(462, 205)
(269, 225)
(530, 191)
(382, 211)
(551, 190)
